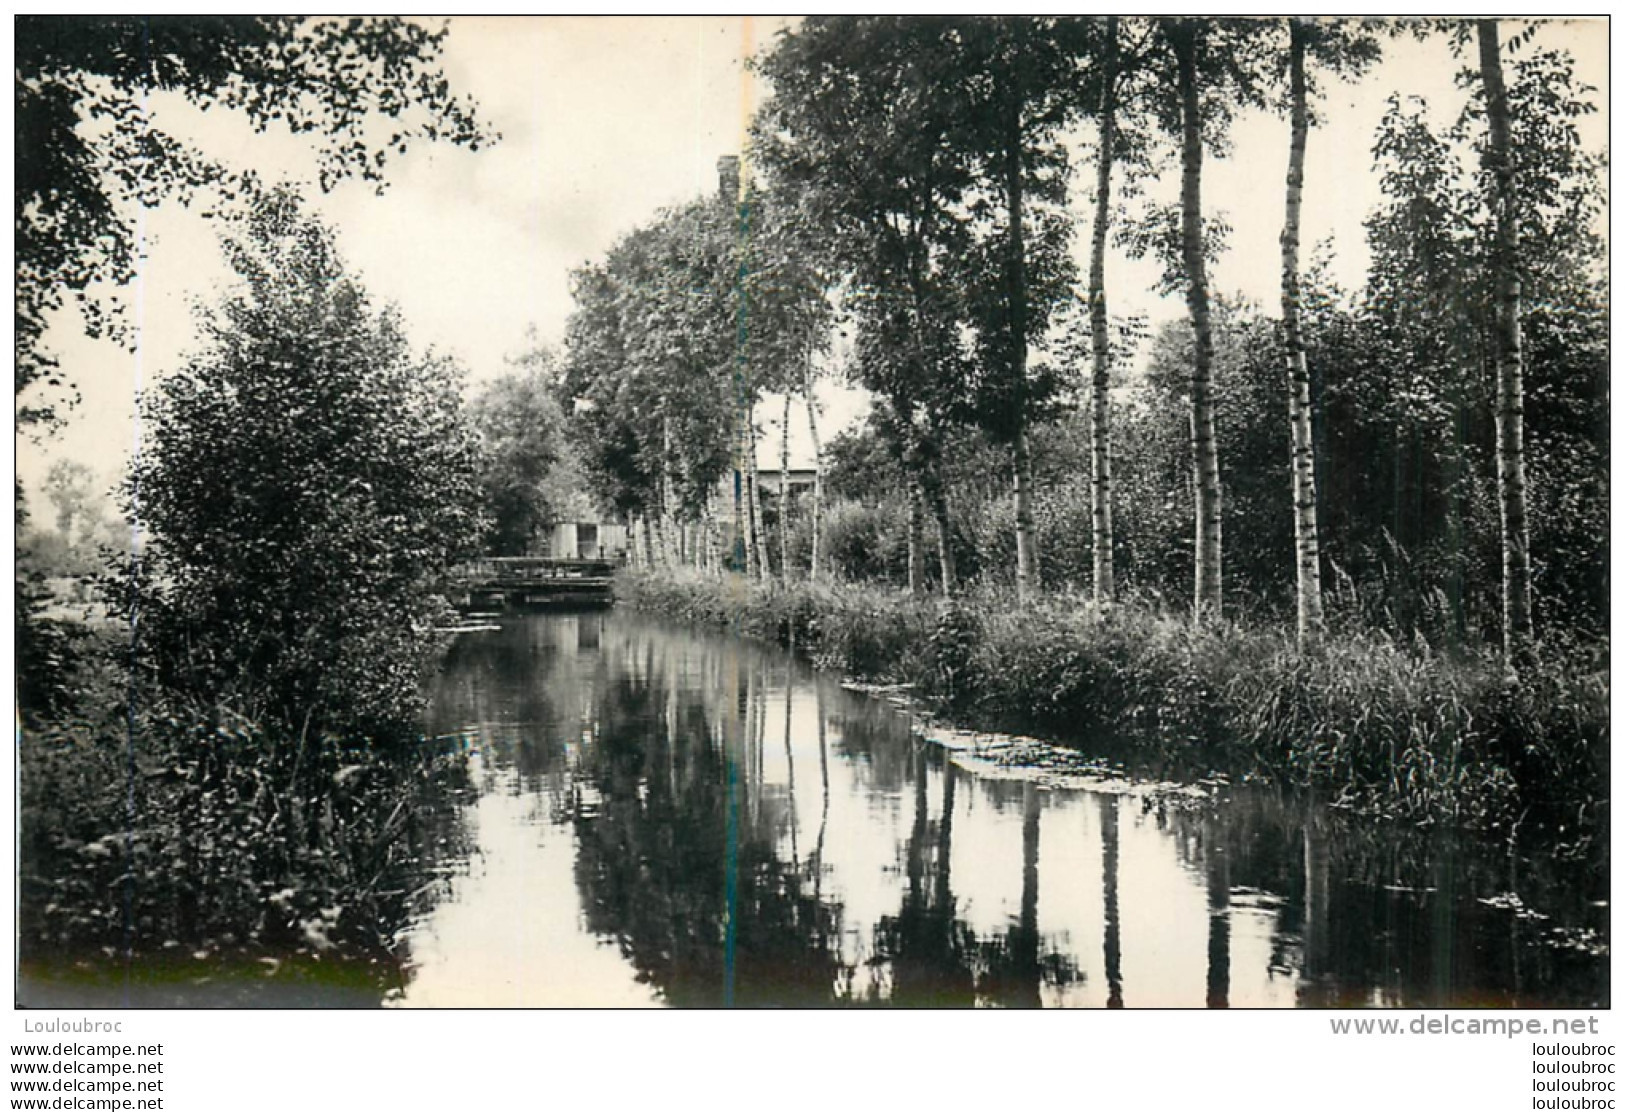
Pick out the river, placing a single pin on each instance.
(664, 816)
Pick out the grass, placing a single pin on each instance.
(1380, 727)
(158, 833)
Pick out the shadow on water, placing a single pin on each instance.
(675, 817)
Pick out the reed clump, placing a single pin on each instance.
(202, 835)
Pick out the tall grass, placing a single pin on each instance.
(1379, 726)
(164, 830)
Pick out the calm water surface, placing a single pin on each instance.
(673, 817)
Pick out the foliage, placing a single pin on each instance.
(46, 647)
(1020, 77)
(91, 146)
(1426, 339)
(649, 363)
(197, 836)
(868, 632)
(70, 488)
(866, 128)
(1410, 547)
(867, 542)
(305, 481)
(528, 476)
(673, 338)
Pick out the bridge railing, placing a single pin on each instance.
(529, 569)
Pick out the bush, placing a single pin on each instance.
(202, 834)
(304, 482)
(866, 542)
(867, 632)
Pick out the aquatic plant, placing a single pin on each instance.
(189, 833)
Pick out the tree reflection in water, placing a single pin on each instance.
(1111, 921)
(681, 765)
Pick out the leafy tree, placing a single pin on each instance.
(527, 476)
(675, 337)
(1215, 69)
(72, 490)
(862, 129)
(649, 365)
(1436, 306)
(789, 287)
(90, 147)
(305, 481)
(1020, 81)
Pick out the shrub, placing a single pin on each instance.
(304, 481)
(192, 827)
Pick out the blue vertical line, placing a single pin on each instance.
(741, 338)
(730, 881)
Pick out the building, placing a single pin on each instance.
(587, 540)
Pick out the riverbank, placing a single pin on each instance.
(1379, 728)
(211, 845)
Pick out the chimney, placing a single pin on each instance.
(728, 178)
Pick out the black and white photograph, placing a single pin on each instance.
(842, 512)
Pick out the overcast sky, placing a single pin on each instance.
(605, 120)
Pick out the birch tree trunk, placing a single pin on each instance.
(710, 539)
(818, 469)
(1100, 414)
(916, 539)
(1016, 269)
(1305, 499)
(1517, 622)
(668, 496)
(784, 490)
(1026, 538)
(758, 540)
(1204, 444)
(936, 499)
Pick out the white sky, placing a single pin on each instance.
(605, 120)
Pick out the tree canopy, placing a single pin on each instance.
(528, 472)
(91, 147)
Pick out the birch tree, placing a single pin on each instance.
(1346, 47)
(1517, 629)
(859, 127)
(1214, 69)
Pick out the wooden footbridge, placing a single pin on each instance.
(518, 582)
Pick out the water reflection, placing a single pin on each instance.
(1113, 947)
(681, 818)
